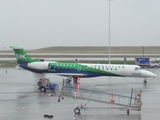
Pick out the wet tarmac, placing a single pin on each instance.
(21, 100)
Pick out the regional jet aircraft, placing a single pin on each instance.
(76, 71)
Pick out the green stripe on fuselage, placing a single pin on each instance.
(80, 67)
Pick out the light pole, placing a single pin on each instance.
(109, 30)
(143, 51)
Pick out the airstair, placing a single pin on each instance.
(127, 103)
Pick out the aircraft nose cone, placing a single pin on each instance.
(150, 74)
(154, 75)
(146, 74)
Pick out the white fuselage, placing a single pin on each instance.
(123, 70)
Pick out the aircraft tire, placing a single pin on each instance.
(145, 82)
(75, 80)
(43, 89)
(77, 110)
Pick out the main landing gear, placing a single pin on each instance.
(69, 79)
(75, 80)
(127, 112)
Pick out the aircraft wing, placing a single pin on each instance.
(71, 74)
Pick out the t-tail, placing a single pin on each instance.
(24, 61)
(21, 55)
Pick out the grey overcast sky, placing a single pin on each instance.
(33, 24)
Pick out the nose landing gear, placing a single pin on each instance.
(145, 81)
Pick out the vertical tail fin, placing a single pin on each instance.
(21, 55)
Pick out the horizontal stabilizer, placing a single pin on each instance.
(14, 47)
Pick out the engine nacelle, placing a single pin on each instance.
(39, 65)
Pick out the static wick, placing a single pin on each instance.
(6, 71)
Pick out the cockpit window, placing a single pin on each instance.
(138, 68)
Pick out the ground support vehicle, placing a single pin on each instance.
(44, 85)
(145, 62)
(154, 64)
(142, 61)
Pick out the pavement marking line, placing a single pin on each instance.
(25, 106)
(28, 104)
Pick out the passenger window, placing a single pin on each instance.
(66, 66)
(86, 66)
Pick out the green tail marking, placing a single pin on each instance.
(21, 55)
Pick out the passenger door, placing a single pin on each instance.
(136, 72)
(123, 71)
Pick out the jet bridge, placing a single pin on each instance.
(127, 103)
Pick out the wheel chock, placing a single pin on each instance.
(50, 116)
(45, 115)
(51, 95)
